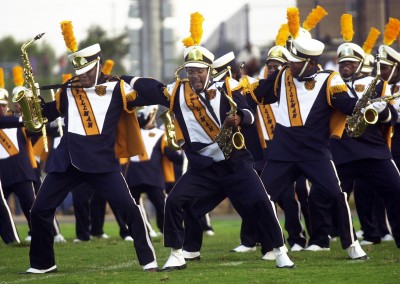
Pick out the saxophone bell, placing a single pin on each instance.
(238, 140)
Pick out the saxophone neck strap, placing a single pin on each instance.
(66, 85)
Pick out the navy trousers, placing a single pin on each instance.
(278, 175)
(383, 177)
(55, 188)
(26, 195)
(202, 190)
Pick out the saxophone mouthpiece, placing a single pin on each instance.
(38, 36)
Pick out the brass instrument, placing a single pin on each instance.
(170, 130)
(29, 99)
(226, 138)
(363, 116)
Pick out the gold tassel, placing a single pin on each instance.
(196, 30)
(18, 76)
(66, 77)
(293, 18)
(371, 40)
(391, 31)
(2, 78)
(346, 27)
(108, 66)
(69, 37)
(283, 35)
(314, 17)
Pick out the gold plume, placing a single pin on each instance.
(371, 40)
(69, 37)
(283, 35)
(66, 77)
(314, 17)
(196, 30)
(391, 31)
(1, 78)
(18, 76)
(293, 18)
(346, 27)
(108, 66)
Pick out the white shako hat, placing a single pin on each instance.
(349, 51)
(221, 66)
(368, 64)
(85, 59)
(3, 96)
(278, 53)
(304, 49)
(388, 56)
(197, 56)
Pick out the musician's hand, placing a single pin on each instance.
(233, 120)
(378, 106)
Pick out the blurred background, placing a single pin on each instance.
(143, 37)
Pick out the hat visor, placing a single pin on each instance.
(385, 62)
(367, 69)
(196, 64)
(3, 102)
(85, 69)
(219, 77)
(293, 58)
(348, 59)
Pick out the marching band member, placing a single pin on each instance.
(367, 156)
(92, 105)
(306, 97)
(215, 171)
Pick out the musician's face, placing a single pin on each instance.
(348, 68)
(3, 109)
(297, 67)
(88, 79)
(197, 77)
(272, 66)
(385, 72)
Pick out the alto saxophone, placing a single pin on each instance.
(170, 130)
(363, 116)
(226, 138)
(29, 99)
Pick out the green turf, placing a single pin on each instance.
(114, 261)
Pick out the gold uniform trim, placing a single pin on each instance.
(292, 100)
(85, 111)
(193, 102)
(268, 119)
(8, 144)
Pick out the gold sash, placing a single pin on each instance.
(167, 165)
(193, 102)
(85, 111)
(268, 118)
(292, 100)
(8, 144)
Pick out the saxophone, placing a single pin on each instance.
(170, 130)
(226, 138)
(29, 98)
(363, 116)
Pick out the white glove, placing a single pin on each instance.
(378, 106)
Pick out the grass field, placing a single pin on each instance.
(114, 261)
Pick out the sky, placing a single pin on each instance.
(24, 19)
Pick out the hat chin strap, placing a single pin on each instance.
(359, 67)
(97, 72)
(304, 68)
(391, 73)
